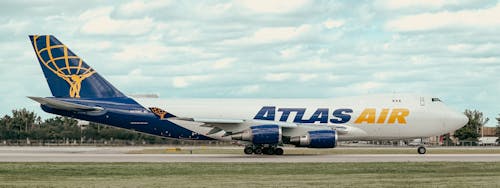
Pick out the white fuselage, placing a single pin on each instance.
(374, 117)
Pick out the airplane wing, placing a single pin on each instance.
(231, 126)
(63, 105)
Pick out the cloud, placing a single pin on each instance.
(279, 33)
(368, 85)
(98, 21)
(185, 81)
(223, 63)
(15, 25)
(330, 24)
(139, 6)
(409, 4)
(291, 52)
(249, 89)
(272, 34)
(142, 52)
(465, 19)
(272, 6)
(92, 45)
(307, 77)
(277, 77)
(474, 48)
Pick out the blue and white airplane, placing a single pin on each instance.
(263, 125)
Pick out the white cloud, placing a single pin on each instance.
(223, 63)
(466, 19)
(330, 24)
(84, 45)
(411, 4)
(142, 52)
(473, 48)
(185, 81)
(277, 77)
(98, 21)
(214, 10)
(272, 34)
(139, 6)
(279, 33)
(249, 89)
(397, 75)
(15, 25)
(290, 52)
(367, 85)
(303, 77)
(179, 82)
(273, 6)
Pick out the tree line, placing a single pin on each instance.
(23, 124)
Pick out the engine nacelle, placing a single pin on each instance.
(316, 139)
(260, 134)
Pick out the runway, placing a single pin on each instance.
(93, 154)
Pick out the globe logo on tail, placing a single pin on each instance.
(67, 67)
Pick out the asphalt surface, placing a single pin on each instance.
(119, 154)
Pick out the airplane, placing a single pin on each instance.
(262, 125)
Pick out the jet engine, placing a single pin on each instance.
(316, 139)
(260, 134)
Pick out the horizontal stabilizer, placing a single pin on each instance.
(63, 105)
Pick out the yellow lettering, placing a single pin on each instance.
(399, 115)
(383, 116)
(368, 116)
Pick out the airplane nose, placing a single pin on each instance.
(463, 119)
(458, 119)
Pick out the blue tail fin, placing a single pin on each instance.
(67, 74)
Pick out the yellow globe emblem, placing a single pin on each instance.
(63, 65)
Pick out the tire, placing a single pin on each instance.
(248, 150)
(421, 150)
(257, 151)
(269, 151)
(278, 151)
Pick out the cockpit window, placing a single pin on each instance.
(436, 100)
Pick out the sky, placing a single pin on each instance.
(263, 48)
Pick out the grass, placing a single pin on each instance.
(422, 174)
(298, 151)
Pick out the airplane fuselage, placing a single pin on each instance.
(393, 116)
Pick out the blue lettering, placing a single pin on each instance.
(320, 115)
(341, 115)
(266, 113)
(287, 111)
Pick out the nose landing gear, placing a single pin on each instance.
(421, 150)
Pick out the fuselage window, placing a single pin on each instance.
(436, 100)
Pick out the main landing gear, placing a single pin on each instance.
(260, 149)
(421, 150)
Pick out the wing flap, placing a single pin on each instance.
(63, 105)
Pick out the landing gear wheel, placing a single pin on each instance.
(257, 150)
(278, 151)
(268, 151)
(421, 150)
(248, 150)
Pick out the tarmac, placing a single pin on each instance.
(119, 154)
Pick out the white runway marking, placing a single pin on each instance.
(99, 154)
